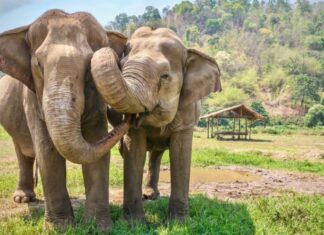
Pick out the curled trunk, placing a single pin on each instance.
(127, 92)
(63, 104)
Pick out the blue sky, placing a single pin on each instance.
(16, 13)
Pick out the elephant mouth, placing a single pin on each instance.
(138, 120)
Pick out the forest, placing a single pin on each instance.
(271, 53)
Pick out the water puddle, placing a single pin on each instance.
(207, 175)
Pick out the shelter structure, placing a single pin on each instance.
(242, 117)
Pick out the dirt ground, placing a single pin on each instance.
(244, 182)
(231, 183)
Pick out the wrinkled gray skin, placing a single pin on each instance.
(166, 81)
(52, 110)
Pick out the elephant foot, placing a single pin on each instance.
(57, 224)
(105, 225)
(178, 211)
(24, 196)
(151, 193)
(134, 214)
(99, 213)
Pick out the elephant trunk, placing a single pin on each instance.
(63, 105)
(129, 92)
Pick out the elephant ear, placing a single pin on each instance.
(201, 77)
(15, 56)
(117, 42)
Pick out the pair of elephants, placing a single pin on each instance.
(65, 69)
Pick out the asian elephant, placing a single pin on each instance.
(53, 111)
(164, 82)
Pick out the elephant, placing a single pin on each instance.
(162, 82)
(53, 111)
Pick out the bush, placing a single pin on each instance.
(258, 107)
(315, 116)
(213, 25)
(315, 43)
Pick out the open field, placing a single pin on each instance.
(284, 196)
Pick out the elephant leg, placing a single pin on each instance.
(96, 185)
(25, 187)
(52, 167)
(180, 159)
(58, 208)
(151, 190)
(134, 150)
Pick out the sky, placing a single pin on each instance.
(16, 13)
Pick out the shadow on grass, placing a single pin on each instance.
(206, 216)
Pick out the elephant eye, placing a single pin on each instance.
(164, 76)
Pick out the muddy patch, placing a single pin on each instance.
(250, 182)
(200, 175)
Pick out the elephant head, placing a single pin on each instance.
(52, 58)
(159, 73)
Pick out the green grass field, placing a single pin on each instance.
(287, 213)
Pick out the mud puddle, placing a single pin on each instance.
(206, 175)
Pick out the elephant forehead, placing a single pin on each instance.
(156, 43)
(67, 26)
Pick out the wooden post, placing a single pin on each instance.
(233, 137)
(239, 123)
(212, 127)
(246, 131)
(217, 127)
(250, 130)
(207, 128)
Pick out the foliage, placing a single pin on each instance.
(213, 25)
(270, 51)
(305, 90)
(315, 43)
(228, 97)
(258, 107)
(315, 116)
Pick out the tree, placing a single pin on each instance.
(213, 25)
(304, 6)
(315, 116)
(121, 21)
(151, 14)
(193, 34)
(305, 90)
(183, 7)
(258, 107)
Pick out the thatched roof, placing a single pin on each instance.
(237, 111)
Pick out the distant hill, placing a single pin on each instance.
(269, 51)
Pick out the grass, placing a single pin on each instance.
(286, 214)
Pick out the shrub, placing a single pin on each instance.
(315, 116)
(213, 25)
(258, 107)
(315, 43)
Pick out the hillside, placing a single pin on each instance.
(270, 52)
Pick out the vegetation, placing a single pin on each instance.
(315, 116)
(279, 215)
(284, 214)
(270, 52)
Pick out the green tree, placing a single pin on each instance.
(183, 7)
(193, 34)
(213, 25)
(121, 21)
(315, 116)
(258, 107)
(151, 14)
(305, 90)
